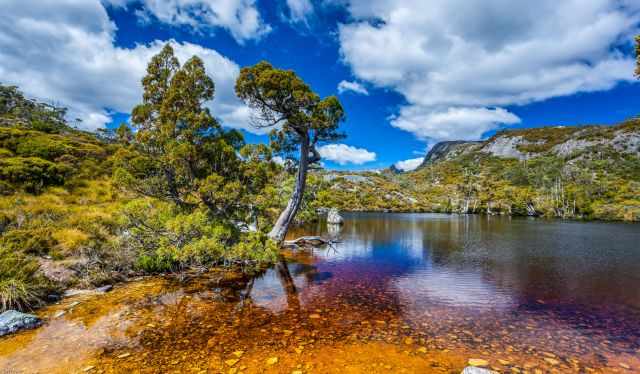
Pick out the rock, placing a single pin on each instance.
(272, 361)
(75, 292)
(231, 361)
(59, 314)
(478, 362)
(104, 289)
(447, 150)
(476, 370)
(334, 217)
(552, 361)
(12, 321)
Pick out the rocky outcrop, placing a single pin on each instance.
(505, 146)
(627, 142)
(334, 217)
(12, 321)
(447, 150)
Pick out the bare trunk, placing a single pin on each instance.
(279, 230)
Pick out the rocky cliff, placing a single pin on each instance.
(562, 141)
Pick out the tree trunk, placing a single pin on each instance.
(279, 230)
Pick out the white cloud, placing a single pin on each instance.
(452, 123)
(299, 10)
(240, 17)
(471, 55)
(64, 51)
(408, 165)
(356, 87)
(343, 154)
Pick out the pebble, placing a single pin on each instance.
(551, 361)
(231, 361)
(314, 316)
(478, 362)
(272, 361)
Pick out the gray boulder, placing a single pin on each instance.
(12, 321)
(334, 217)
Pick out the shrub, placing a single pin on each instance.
(20, 286)
(32, 173)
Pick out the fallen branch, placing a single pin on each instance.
(314, 241)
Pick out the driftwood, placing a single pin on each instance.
(307, 241)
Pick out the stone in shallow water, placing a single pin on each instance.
(478, 362)
(12, 321)
(334, 218)
(476, 370)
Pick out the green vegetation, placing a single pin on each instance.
(81, 210)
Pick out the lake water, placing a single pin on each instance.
(396, 293)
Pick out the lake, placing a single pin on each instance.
(395, 293)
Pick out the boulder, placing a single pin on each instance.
(12, 321)
(334, 217)
(477, 370)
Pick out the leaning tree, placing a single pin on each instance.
(300, 118)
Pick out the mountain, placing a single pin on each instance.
(574, 172)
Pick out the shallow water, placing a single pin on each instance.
(398, 293)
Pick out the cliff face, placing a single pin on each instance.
(444, 151)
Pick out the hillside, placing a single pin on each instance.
(586, 172)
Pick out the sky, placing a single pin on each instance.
(409, 73)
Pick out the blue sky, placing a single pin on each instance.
(415, 72)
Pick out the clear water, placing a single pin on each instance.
(414, 293)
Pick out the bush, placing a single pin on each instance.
(167, 239)
(32, 173)
(20, 286)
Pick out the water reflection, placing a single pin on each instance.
(556, 295)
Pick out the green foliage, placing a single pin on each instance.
(20, 285)
(168, 239)
(280, 97)
(32, 173)
(181, 153)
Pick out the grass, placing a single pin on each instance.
(21, 287)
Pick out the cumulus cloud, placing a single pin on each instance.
(240, 17)
(408, 165)
(356, 87)
(64, 51)
(452, 58)
(452, 123)
(343, 154)
(299, 10)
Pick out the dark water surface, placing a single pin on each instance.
(415, 293)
